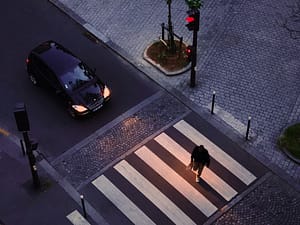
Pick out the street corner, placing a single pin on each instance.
(45, 184)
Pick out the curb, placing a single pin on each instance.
(290, 155)
(237, 199)
(202, 112)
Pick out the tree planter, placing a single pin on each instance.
(289, 142)
(160, 57)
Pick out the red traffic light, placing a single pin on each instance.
(188, 52)
(190, 19)
(193, 20)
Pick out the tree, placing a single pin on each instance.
(194, 4)
(171, 42)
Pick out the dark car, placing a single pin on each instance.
(52, 66)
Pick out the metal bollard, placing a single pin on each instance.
(248, 128)
(83, 206)
(213, 103)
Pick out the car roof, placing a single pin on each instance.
(58, 58)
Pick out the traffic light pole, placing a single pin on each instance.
(31, 159)
(193, 24)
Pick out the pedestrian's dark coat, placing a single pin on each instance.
(200, 154)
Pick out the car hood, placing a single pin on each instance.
(89, 96)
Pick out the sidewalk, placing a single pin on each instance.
(247, 53)
(21, 203)
(244, 55)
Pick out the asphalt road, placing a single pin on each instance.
(24, 25)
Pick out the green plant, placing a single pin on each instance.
(290, 140)
(194, 4)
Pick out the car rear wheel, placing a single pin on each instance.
(33, 79)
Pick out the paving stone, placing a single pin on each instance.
(273, 202)
(78, 166)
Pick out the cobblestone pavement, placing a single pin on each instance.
(248, 52)
(90, 157)
(267, 204)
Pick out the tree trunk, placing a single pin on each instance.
(171, 42)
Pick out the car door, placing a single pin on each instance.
(35, 67)
(51, 79)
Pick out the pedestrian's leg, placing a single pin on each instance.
(199, 172)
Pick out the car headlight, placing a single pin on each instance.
(79, 108)
(106, 92)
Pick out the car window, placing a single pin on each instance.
(76, 77)
(50, 76)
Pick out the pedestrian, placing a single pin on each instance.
(199, 159)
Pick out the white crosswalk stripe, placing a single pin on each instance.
(153, 194)
(224, 189)
(227, 161)
(155, 160)
(77, 219)
(121, 201)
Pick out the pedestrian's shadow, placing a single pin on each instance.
(203, 184)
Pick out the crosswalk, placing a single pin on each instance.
(209, 176)
(228, 162)
(77, 219)
(153, 186)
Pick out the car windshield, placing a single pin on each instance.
(77, 77)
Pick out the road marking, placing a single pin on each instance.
(126, 206)
(4, 132)
(153, 194)
(227, 161)
(224, 189)
(77, 219)
(182, 186)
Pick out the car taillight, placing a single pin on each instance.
(27, 60)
